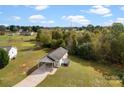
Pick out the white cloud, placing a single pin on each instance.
(51, 21)
(4, 24)
(36, 18)
(108, 23)
(47, 22)
(77, 19)
(107, 15)
(38, 7)
(41, 7)
(120, 20)
(40, 19)
(16, 18)
(84, 11)
(43, 22)
(101, 10)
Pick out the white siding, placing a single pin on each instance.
(62, 59)
(65, 56)
(12, 53)
(58, 64)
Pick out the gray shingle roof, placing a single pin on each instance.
(54, 55)
(46, 59)
(57, 54)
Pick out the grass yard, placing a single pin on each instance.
(16, 70)
(82, 73)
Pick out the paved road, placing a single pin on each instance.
(34, 78)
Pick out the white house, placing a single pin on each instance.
(27, 33)
(56, 58)
(12, 51)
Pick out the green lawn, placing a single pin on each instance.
(16, 70)
(81, 73)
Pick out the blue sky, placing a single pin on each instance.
(61, 15)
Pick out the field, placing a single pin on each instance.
(16, 70)
(82, 73)
(79, 73)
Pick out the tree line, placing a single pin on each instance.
(14, 28)
(101, 43)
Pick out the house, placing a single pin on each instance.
(11, 34)
(56, 58)
(12, 51)
(26, 33)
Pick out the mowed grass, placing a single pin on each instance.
(80, 73)
(16, 70)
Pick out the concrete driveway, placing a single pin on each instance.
(36, 77)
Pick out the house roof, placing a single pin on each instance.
(7, 48)
(46, 59)
(54, 55)
(57, 54)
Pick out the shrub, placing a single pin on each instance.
(85, 51)
(4, 59)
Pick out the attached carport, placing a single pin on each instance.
(47, 61)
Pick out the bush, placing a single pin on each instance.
(85, 51)
(2, 33)
(4, 59)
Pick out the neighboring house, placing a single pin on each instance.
(26, 33)
(12, 51)
(11, 34)
(56, 58)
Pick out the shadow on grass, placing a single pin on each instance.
(47, 50)
(109, 72)
(30, 40)
(27, 49)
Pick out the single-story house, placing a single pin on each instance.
(56, 58)
(11, 34)
(12, 51)
(26, 33)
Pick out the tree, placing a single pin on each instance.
(85, 51)
(2, 28)
(117, 49)
(71, 42)
(44, 38)
(36, 28)
(13, 28)
(57, 43)
(90, 27)
(102, 46)
(118, 27)
(87, 37)
(4, 59)
(98, 28)
(56, 35)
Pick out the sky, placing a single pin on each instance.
(61, 15)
